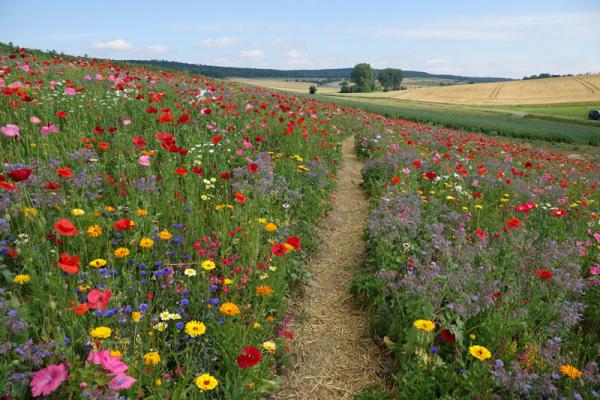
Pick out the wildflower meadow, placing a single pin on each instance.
(154, 224)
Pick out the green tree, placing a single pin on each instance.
(312, 89)
(364, 77)
(390, 78)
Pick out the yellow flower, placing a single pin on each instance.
(227, 281)
(158, 382)
(208, 265)
(195, 328)
(478, 206)
(109, 209)
(146, 243)
(94, 231)
(264, 290)
(77, 212)
(165, 235)
(302, 168)
(121, 252)
(472, 336)
(288, 247)
(30, 211)
(206, 382)
(189, 272)
(269, 346)
(151, 358)
(21, 279)
(101, 332)
(135, 316)
(116, 353)
(449, 197)
(165, 315)
(83, 287)
(570, 371)
(262, 221)
(256, 325)
(270, 227)
(479, 352)
(229, 309)
(161, 326)
(424, 325)
(98, 263)
(141, 212)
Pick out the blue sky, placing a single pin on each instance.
(510, 38)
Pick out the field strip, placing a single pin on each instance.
(337, 357)
(586, 85)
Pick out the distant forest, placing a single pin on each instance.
(333, 73)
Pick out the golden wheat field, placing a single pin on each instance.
(572, 89)
(290, 86)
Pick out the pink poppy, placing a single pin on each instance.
(70, 91)
(10, 130)
(34, 120)
(595, 270)
(144, 161)
(47, 380)
(50, 128)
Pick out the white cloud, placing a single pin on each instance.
(158, 49)
(297, 58)
(253, 54)
(221, 42)
(117, 44)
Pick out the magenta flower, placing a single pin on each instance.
(121, 382)
(51, 128)
(595, 270)
(70, 91)
(10, 130)
(47, 380)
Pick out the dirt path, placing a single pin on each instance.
(336, 356)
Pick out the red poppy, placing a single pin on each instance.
(103, 146)
(250, 357)
(543, 274)
(98, 300)
(80, 309)
(217, 139)
(181, 171)
(396, 179)
(123, 224)
(558, 213)
(98, 130)
(184, 119)
(253, 168)
(65, 228)
(7, 186)
(225, 175)
(68, 264)
(514, 223)
(61, 114)
(278, 249)
(480, 233)
(240, 197)
(165, 118)
(417, 164)
(51, 185)
(65, 172)
(430, 175)
(447, 336)
(138, 141)
(19, 175)
(198, 171)
(294, 242)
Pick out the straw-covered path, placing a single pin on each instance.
(336, 356)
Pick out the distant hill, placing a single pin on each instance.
(331, 73)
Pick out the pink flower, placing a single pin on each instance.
(121, 382)
(108, 362)
(144, 161)
(47, 380)
(99, 77)
(126, 122)
(45, 130)
(34, 120)
(595, 270)
(70, 91)
(10, 130)
(87, 78)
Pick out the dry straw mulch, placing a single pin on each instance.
(336, 355)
